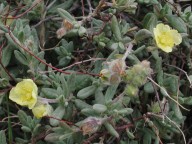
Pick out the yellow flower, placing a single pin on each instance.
(25, 93)
(41, 110)
(166, 37)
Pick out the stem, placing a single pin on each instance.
(45, 100)
(10, 134)
(130, 46)
(40, 60)
(16, 17)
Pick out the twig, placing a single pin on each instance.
(162, 88)
(43, 20)
(91, 59)
(16, 17)
(182, 71)
(130, 46)
(40, 60)
(157, 96)
(178, 128)
(45, 100)
(83, 8)
(8, 118)
(61, 120)
(90, 7)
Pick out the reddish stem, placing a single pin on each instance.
(49, 65)
(16, 17)
(61, 120)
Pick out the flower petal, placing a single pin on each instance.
(14, 96)
(176, 37)
(156, 34)
(41, 110)
(167, 49)
(163, 28)
(25, 93)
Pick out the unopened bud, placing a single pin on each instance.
(91, 125)
(131, 90)
(61, 32)
(117, 66)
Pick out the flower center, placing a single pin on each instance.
(166, 39)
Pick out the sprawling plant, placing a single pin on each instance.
(95, 71)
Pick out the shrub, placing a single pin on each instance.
(95, 71)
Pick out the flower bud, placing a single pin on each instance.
(131, 90)
(41, 110)
(117, 66)
(105, 75)
(91, 125)
(137, 75)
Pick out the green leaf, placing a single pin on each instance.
(22, 117)
(64, 14)
(177, 23)
(176, 110)
(82, 31)
(89, 112)
(142, 35)
(111, 130)
(98, 64)
(2, 137)
(52, 137)
(49, 92)
(115, 28)
(97, 24)
(36, 129)
(111, 90)
(133, 59)
(81, 104)
(64, 61)
(188, 100)
(6, 55)
(130, 134)
(61, 51)
(2, 95)
(125, 111)
(65, 136)
(86, 92)
(99, 108)
(147, 138)
(39, 55)
(3, 27)
(64, 85)
(64, 5)
(65, 127)
(21, 141)
(99, 97)
(26, 129)
(11, 42)
(21, 58)
(164, 92)
(150, 21)
(58, 113)
(71, 82)
(148, 88)
(166, 10)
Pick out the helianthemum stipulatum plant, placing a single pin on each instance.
(95, 71)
